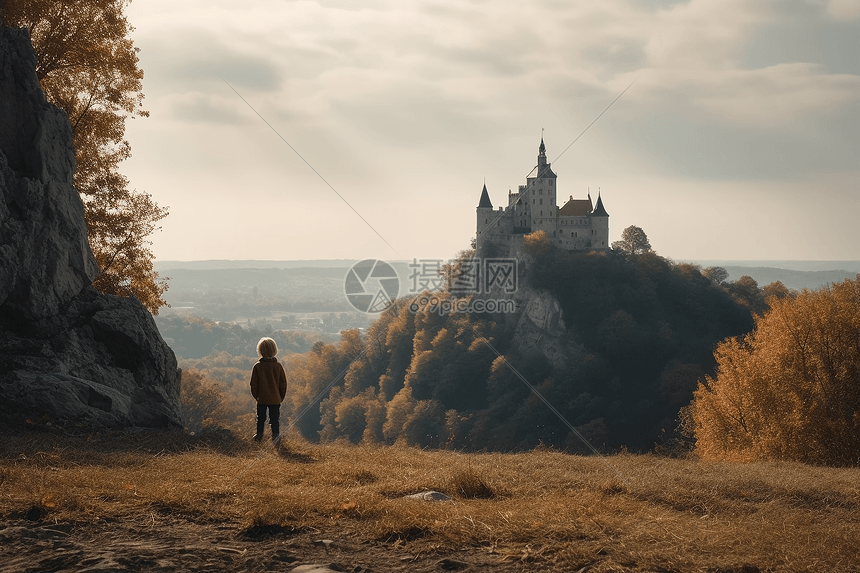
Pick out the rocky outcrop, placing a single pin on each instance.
(540, 327)
(68, 354)
(537, 327)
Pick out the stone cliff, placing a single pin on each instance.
(68, 354)
(538, 326)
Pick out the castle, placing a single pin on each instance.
(576, 226)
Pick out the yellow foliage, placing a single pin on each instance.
(791, 389)
(537, 243)
(87, 66)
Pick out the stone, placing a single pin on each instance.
(428, 496)
(68, 354)
(540, 328)
(317, 568)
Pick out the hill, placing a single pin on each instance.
(617, 361)
(166, 502)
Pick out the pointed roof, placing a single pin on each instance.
(542, 170)
(599, 210)
(485, 199)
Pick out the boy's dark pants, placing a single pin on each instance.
(274, 419)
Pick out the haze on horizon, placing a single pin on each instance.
(740, 138)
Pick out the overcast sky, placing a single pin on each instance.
(740, 138)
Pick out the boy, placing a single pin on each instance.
(268, 387)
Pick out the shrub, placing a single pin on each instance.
(791, 388)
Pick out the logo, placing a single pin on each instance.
(371, 285)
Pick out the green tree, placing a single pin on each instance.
(633, 241)
(87, 66)
(790, 389)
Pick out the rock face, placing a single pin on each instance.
(537, 327)
(540, 327)
(68, 354)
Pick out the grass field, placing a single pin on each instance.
(542, 508)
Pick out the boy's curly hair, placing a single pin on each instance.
(267, 348)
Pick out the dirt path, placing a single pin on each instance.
(174, 544)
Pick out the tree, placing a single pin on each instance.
(457, 272)
(791, 389)
(88, 67)
(716, 274)
(633, 241)
(776, 289)
(746, 292)
(537, 243)
(201, 401)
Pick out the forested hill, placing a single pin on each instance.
(640, 332)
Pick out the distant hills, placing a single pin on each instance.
(793, 274)
(319, 283)
(223, 264)
(782, 264)
(301, 294)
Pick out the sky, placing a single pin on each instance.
(739, 137)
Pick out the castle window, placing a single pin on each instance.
(533, 201)
(540, 191)
(541, 201)
(550, 181)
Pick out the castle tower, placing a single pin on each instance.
(600, 226)
(540, 193)
(485, 215)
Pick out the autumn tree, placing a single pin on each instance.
(87, 66)
(746, 291)
(201, 401)
(776, 289)
(633, 241)
(790, 389)
(718, 275)
(537, 243)
(456, 273)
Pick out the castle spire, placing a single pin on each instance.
(485, 199)
(599, 209)
(542, 166)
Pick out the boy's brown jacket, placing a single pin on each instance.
(268, 382)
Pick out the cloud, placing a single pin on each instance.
(203, 108)
(398, 101)
(844, 9)
(187, 59)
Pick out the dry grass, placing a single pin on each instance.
(545, 508)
